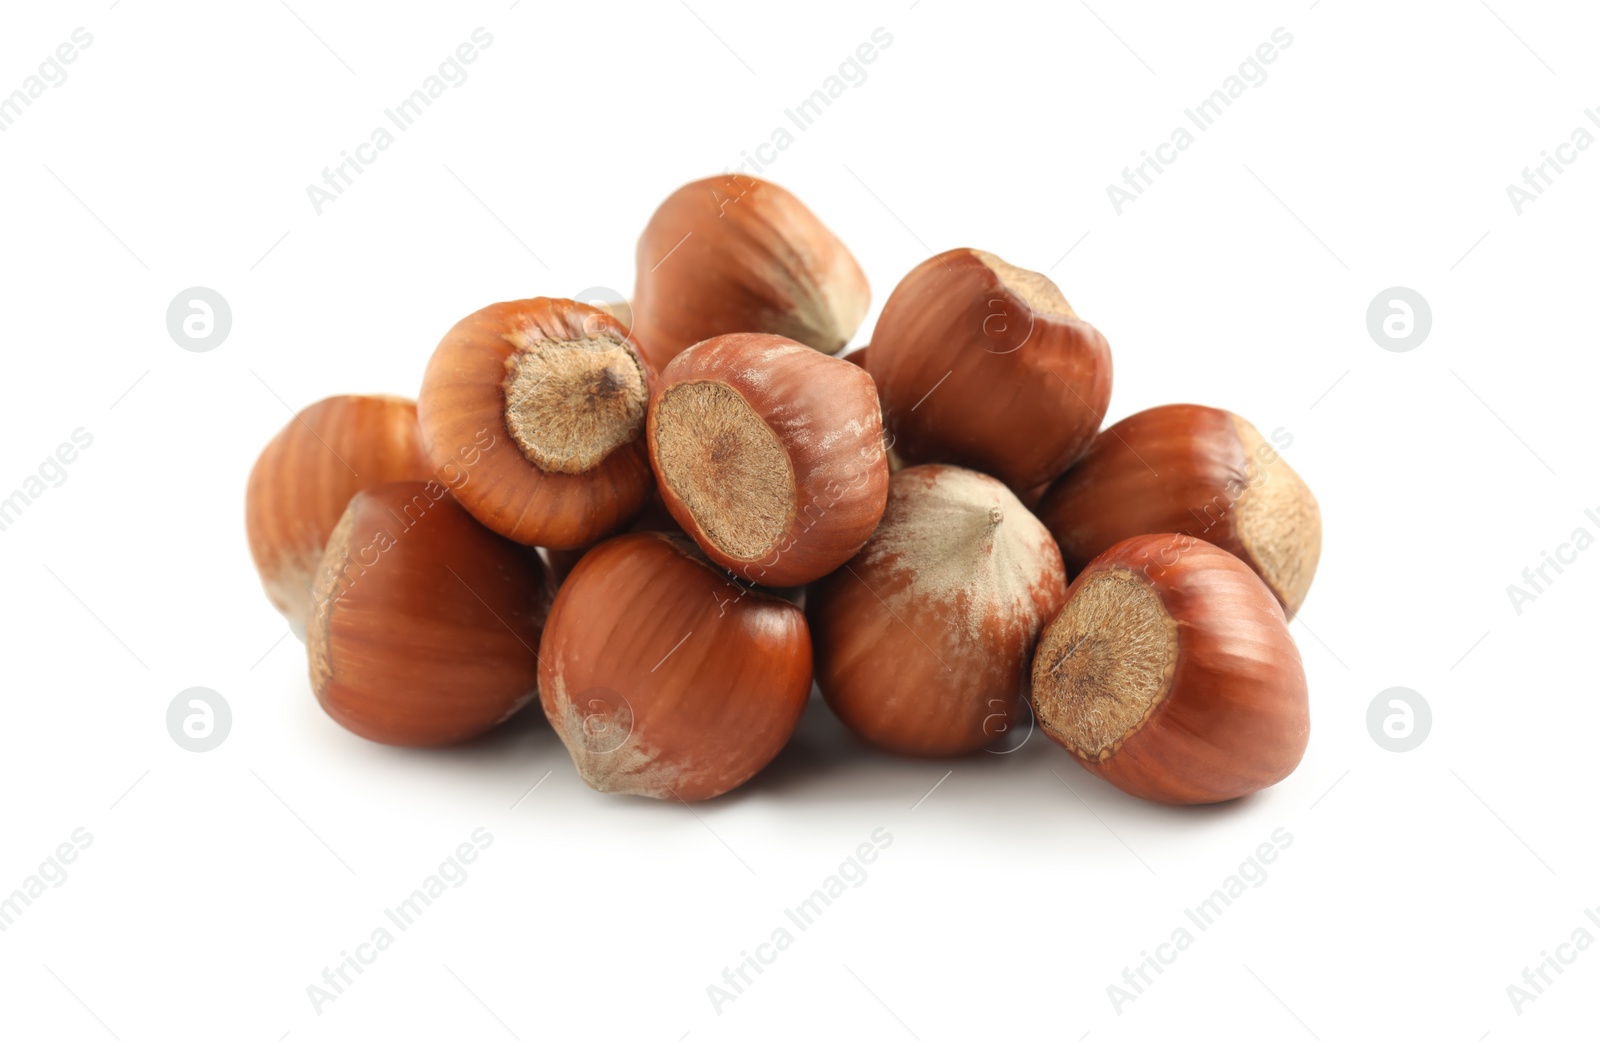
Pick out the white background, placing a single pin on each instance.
(1377, 152)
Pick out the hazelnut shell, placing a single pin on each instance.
(426, 623)
(304, 478)
(1171, 673)
(770, 455)
(1197, 471)
(985, 365)
(924, 640)
(663, 678)
(516, 382)
(736, 254)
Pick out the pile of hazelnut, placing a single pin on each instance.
(666, 521)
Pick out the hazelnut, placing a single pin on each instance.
(736, 254)
(1196, 471)
(663, 678)
(770, 455)
(924, 640)
(986, 365)
(303, 480)
(426, 623)
(1171, 673)
(536, 409)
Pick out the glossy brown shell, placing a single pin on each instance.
(427, 623)
(664, 678)
(1173, 468)
(1235, 717)
(914, 662)
(825, 412)
(462, 412)
(970, 374)
(736, 254)
(304, 478)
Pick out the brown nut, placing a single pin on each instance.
(770, 455)
(986, 365)
(1171, 673)
(1197, 471)
(426, 622)
(533, 411)
(736, 254)
(924, 641)
(663, 678)
(305, 477)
